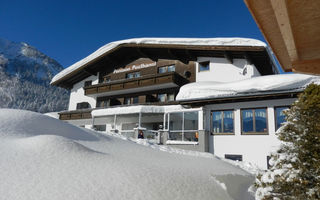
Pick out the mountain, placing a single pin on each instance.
(25, 74)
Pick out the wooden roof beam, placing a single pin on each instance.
(283, 20)
(308, 66)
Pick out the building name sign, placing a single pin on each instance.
(135, 67)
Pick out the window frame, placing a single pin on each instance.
(254, 120)
(182, 131)
(87, 83)
(166, 69)
(134, 74)
(275, 115)
(204, 70)
(211, 124)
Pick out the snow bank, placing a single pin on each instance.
(253, 86)
(39, 160)
(169, 41)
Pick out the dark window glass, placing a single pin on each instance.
(83, 105)
(162, 70)
(171, 68)
(170, 97)
(247, 121)
(175, 121)
(133, 75)
(137, 74)
(261, 120)
(204, 66)
(87, 83)
(222, 121)
(254, 120)
(161, 97)
(127, 101)
(280, 117)
(191, 120)
(135, 100)
(228, 121)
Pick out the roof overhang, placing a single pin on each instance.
(120, 53)
(292, 29)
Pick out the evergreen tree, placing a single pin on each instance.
(295, 171)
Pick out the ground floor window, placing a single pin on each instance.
(279, 115)
(254, 121)
(222, 122)
(183, 125)
(99, 127)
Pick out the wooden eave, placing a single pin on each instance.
(126, 53)
(292, 29)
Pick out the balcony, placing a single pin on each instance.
(140, 84)
(75, 115)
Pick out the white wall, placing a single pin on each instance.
(221, 70)
(253, 148)
(77, 93)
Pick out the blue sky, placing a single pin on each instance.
(69, 30)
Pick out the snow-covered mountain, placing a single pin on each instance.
(25, 74)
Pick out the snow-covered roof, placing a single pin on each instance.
(270, 84)
(135, 109)
(158, 41)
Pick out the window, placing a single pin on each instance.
(233, 157)
(170, 68)
(254, 121)
(103, 102)
(135, 100)
(87, 83)
(133, 75)
(107, 79)
(83, 105)
(279, 115)
(170, 97)
(183, 126)
(161, 97)
(99, 127)
(204, 66)
(127, 101)
(222, 122)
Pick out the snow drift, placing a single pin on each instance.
(44, 158)
(254, 86)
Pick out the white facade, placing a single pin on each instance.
(253, 148)
(221, 70)
(77, 93)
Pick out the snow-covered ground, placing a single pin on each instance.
(44, 158)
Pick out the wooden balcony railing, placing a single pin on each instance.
(76, 114)
(170, 77)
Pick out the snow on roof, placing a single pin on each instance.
(253, 86)
(135, 109)
(162, 41)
